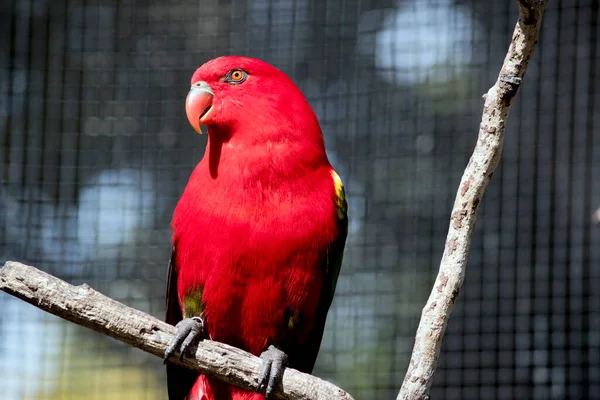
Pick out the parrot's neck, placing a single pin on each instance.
(265, 163)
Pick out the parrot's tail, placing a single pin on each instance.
(211, 389)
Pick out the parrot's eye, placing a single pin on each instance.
(236, 76)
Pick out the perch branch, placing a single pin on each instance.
(483, 162)
(87, 307)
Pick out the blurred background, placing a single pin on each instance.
(95, 149)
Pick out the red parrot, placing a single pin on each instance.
(259, 232)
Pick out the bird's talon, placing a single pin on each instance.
(271, 375)
(189, 331)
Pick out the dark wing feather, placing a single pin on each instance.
(173, 311)
(179, 380)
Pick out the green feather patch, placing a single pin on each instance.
(192, 303)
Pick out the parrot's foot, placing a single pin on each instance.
(189, 331)
(274, 363)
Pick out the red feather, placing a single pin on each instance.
(257, 221)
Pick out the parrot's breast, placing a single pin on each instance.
(252, 259)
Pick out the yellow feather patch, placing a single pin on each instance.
(340, 201)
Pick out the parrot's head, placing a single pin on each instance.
(249, 97)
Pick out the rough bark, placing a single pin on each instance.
(477, 175)
(87, 307)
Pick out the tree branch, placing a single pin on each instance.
(475, 179)
(87, 307)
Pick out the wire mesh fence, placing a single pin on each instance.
(95, 150)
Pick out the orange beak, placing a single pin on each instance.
(198, 105)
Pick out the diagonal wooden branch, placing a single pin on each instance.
(87, 307)
(475, 179)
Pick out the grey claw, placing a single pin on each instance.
(189, 331)
(271, 375)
